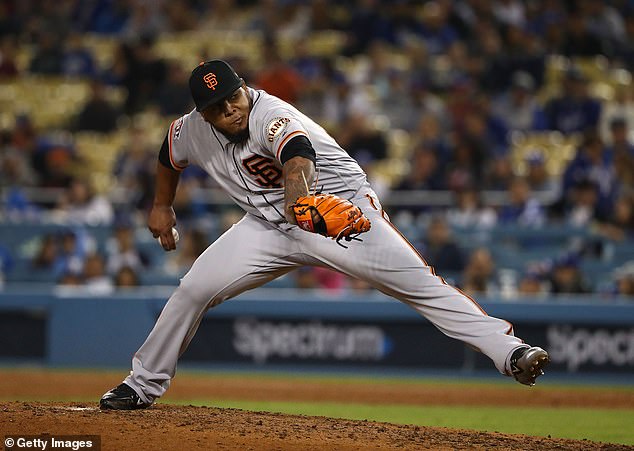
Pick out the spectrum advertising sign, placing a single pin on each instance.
(414, 344)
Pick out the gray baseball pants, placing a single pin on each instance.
(264, 251)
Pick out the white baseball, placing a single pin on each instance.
(174, 234)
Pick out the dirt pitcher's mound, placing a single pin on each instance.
(171, 427)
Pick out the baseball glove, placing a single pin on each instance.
(330, 216)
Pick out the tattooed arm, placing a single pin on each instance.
(298, 175)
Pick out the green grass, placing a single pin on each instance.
(605, 425)
(339, 379)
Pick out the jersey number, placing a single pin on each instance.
(264, 170)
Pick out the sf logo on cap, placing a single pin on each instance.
(210, 80)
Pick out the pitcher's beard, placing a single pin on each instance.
(238, 138)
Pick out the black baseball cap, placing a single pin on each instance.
(212, 81)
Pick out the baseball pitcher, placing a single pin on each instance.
(266, 155)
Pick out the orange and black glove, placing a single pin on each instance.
(330, 216)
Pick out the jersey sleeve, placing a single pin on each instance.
(176, 150)
(280, 129)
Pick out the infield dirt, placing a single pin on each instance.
(176, 427)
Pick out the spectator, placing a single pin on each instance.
(606, 22)
(126, 277)
(531, 285)
(489, 61)
(122, 251)
(624, 279)
(48, 56)
(364, 143)
(510, 12)
(77, 60)
(16, 174)
(119, 71)
(18, 207)
(400, 104)
(366, 25)
(424, 172)
(23, 138)
(145, 19)
(575, 110)
(329, 280)
(582, 204)
(449, 54)
(112, 19)
(579, 40)
(174, 98)
(70, 280)
(432, 116)
(179, 17)
(145, 74)
(523, 209)
(192, 244)
(46, 253)
(379, 70)
(459, 70)
(323, 279)
(81, 205)
(495, 132)
(430, 133)
(188, 204)
(54, 160)
(625, 50)
(134, 169)
(499, 174)
(460, 168)
(279, 78)
(323, 16)
(292, 24)
(436, 32)
(308, 66)
(342, 99)
(622, 151)
(619, 138)
(440, 249)
(469, 210)
(537, 175)
(619, 112)
(473, 147)
(8, 66)
(312, 69)
(6, 263)
(94, 275)
(619, 226)
(479, 273)
(71, 255)
(359, 286)
(305, 278)
(224, 15)
(566, 277)
(592, 163)
(97, 114)
(518, 107)
(522, 51)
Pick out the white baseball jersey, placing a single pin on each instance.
(264, 246)
(251, 173)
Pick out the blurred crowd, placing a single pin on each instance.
(458, 79)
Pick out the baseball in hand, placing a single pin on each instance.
(174, 233)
